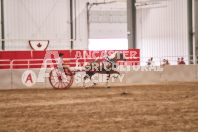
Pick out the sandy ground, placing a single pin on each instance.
(155, 108)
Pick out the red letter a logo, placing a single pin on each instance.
(29, 77)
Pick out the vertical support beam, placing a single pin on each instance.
(74, 19)
(71, 23)
(131, 23)
(87, 8)
(190, 27)
(2, 25)
(196, 26)
(194, 32)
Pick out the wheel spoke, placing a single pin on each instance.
(58, 85)
(62, 85)
(55, 79)
(55, 82)
(60, 80)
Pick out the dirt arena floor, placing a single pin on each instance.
(154, 108)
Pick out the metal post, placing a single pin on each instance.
(71, 22)
(131, 23)
(2, 25)
(87, 8)
(196, 26)
(194, 33)
(74, 19)
(190, 27)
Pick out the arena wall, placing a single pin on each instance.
(163, 31)
(5, 81)
(142, 76)
(12, 79)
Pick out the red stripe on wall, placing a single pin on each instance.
(75, 54)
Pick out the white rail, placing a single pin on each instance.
(76, 61)
(5, 60)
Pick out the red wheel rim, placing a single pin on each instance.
(61, 80)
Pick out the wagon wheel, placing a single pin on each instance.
(61, 79)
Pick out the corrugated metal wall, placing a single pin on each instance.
(162, 30)
(108, 20)
(196, 23)
(0, 27)
(37, 19)
(81, 25)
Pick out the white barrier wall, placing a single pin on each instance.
(142, 77)
(17, 79)
(5, 79)
(162, 29)
(182, 73)
(179, 73)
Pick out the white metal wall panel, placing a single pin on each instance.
(0, 15)
(196, 23)
(108, 30)
(108, 20)
(0, 28)
(81, 25)
(162, 31)
(37, 19)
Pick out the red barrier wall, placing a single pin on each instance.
(75, 54)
